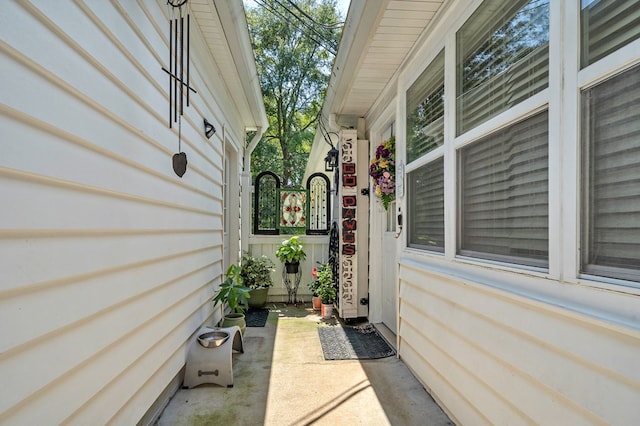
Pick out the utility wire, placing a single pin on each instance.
(335, 26)
(318, 38)
(326, 39)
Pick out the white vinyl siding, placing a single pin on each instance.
(109, 259)
(511, 325)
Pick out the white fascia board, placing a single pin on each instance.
(362, 21)
(234, 24)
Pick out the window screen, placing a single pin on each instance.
(606, 26)
(611, 177)
(503, 58)
(504, 194)
(425, 110)
(426, 206)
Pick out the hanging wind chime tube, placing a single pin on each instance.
(179, 43)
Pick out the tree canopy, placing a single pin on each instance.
(294, 43)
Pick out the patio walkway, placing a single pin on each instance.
(283, 379)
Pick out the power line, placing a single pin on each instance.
(311, 32)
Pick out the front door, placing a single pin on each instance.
(389, 270)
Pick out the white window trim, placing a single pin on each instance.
(562, 98)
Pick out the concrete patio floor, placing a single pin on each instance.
(282, 378)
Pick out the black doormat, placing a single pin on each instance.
(361, 342)
(256, 317)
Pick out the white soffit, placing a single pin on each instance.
(400, 26)
(237, 77)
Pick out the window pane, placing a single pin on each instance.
(503, 58)
(504, 194)
(607, 25)
(426, 206)
(425, 110)
(611, 177)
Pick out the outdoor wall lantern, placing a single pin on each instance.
(331, 160)
(209, 130)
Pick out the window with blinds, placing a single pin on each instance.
(502, 59)
(503, 190)
(606, 26)
(426, 206)
(611, 177)
(425, 110)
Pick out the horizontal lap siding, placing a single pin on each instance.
(109, 259)
(493, 357)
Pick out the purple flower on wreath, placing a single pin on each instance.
(383, 172)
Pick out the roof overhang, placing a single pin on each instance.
(378, 37)
(224, 27)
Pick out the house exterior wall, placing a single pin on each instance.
(109, 259)
(496, 343)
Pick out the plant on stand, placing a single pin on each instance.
(256, 275)
(291, 253)
(235, 295)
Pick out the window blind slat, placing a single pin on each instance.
(607, 26)
(502, 58)
(425, 110)
(611, 177)
(504, 194)
(426, 206)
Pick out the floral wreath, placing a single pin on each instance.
(383, 172)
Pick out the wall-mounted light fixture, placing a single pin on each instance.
(331, 160)
(209, 130)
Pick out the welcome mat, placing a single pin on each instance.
(256, 317)
(362, 342)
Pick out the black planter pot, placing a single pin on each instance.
(292, 268)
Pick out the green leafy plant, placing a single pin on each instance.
(324, 286)
(256, 271)
(291, 250)
(232, 292)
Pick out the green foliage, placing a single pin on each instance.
(256, 271)
(294, 56)
(291, 250)
(232, 292)
(324, 286)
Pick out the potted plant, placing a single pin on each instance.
(291, 252)
(235, 295)
(256, 275)
(313, 286)
(326, 290)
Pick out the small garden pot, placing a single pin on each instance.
(317, 303)
(327, 310)
(258, 297)
(235, 319)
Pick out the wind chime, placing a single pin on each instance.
(178, 75)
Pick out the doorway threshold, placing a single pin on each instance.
(387, 334)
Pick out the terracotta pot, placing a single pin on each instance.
(317, 303)
(326, 310)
